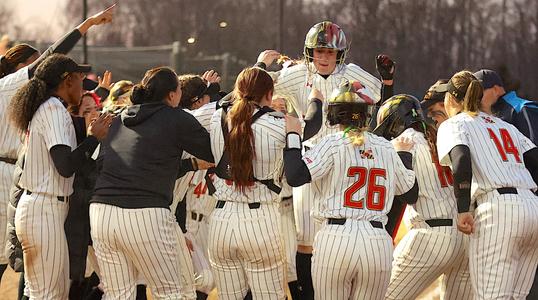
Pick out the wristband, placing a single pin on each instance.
(293, 141)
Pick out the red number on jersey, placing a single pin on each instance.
(200, 189)
(372, 188)
(507, 146)
(444, 174)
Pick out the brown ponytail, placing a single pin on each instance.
(14, 56)
(251, 86)
(473, 96)
(465, 81)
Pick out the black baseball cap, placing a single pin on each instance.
(89, 85)
(488, 78)
(433, 95)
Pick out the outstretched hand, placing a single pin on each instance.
(102, 17)
(385, 66)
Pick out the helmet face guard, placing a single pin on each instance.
(349, 114)
(397, 114)
(351, 104)
(325, 35)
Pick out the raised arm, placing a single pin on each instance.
(68, 41)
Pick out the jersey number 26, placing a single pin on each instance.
(366, 177)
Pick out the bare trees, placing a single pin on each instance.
(429, 39)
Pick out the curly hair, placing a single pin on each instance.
(47, 78)
(14, 56)
(192, 86)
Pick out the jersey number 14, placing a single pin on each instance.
(366, 177)
(507, 146)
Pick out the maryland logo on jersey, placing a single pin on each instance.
(366, 154)
(487, 119)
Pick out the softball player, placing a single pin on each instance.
(433, 246)
(352, 251)
(245, 245)
(17, 67)
(47, 178)
(132, 227)
(324, 69)
(245, 242)
(195, 96)
(491, 161)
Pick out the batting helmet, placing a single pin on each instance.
(397, 114)
(350, 104)
(325, 35)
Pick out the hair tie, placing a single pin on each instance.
(249, 98)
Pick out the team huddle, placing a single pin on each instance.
(296, 181)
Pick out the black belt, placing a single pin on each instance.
(60, 198)
(8, 160)
(332, 221)
(255, 205)
(507, 190)
(439, 222)
(197, 217)
(287, 198)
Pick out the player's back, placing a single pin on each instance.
(436, 198)
(269, 141)
(496, 149)
(357, 182)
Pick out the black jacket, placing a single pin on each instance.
(141, 155)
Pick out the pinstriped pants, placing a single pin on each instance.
(351, 261)
(6, 181)
(424, 254)
(246, 250)
(503, 250)
(39, 222)
(147, 241)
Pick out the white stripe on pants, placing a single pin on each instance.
(426, 253)
(245, 250)
(351, 261)
(503, 249)
(6, 181)
(147, 241)
(39, 222)
(289, 233)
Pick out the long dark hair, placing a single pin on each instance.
(14, 56)
(155, 85)
(47, 77)
(251, 86)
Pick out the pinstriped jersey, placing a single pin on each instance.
(269, 141)
(51, 125)
(10, 140)
(496, 150)
(296, 83)
(436, 198)
(203, 116)
(356, 182)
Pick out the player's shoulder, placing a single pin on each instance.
(293, 71)
(206, 109)
(52, 103)
(414, 135)
(51, 107)
(15, 78)
(376, 141)
(356, 72)
(272, 118)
